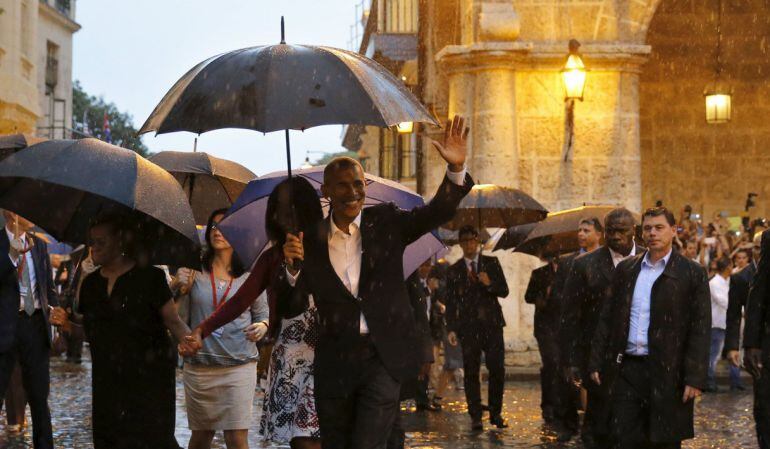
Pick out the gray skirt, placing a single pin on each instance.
(219, 397)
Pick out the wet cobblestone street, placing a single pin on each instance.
(723, 419)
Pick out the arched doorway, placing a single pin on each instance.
(684, 159)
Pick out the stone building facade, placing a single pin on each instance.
(640, 134)
(36, 66)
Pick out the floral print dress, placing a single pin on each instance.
(289, 406)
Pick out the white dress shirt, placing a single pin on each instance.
(468, 262)
(640, 304)
(345, 251)
(617, 257)
(30, 266)
(720, 289)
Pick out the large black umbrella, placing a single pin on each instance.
(209, 182)
(283, 87)
(493, 206)
(61, 185)
(557, 234)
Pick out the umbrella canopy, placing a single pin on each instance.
(61, 185)
(514, 236)
(11, 143)
(493, 206)
(279, 87)
(557, 234)
(244, 226)
(209, 182)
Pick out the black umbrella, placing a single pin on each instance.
(61, 185)
(209, 182)
(11, 143)
(557, 234)
(514, 236)
(283, 87)
(493, 206)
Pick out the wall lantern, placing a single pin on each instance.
(405, 127)
(574, 73)
(718, 107)
(719, 104)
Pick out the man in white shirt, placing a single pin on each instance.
(720, 290)
(26, 292)
(352, 265)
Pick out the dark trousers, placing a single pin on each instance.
(32, 351)
(490, 342)
(596, 401)
(397, 436)
(362, 419)
(15, 398)
(559, 398)
(631, 407)
(762, 407)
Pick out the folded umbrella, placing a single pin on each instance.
(209, 182)
(557, 234)
(244, 225)
(61, 185)
(493, 206)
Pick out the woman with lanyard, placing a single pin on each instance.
(220, 380)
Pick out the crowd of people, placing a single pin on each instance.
(653, 312)
(630, 328)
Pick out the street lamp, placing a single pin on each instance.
(574, 77)
(405, 127)
(574, 73)
(718, 100)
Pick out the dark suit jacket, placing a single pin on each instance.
(587, 286)
(9, 289)
(382, 294)
(538, 290)
(678, 339)
(756, 333)
(740, 283)
(471, 306)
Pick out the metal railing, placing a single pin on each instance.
(398, 16)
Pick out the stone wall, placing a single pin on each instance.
(684, 159)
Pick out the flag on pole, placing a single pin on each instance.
(106, 129)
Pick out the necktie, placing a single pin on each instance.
(27, 295)
(473, 267)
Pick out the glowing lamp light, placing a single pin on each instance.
(718, 108)
(405, 127)
(574, 76)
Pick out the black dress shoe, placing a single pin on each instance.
(499, 422)
(428, 407)
(476, 424)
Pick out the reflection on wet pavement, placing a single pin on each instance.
(723, 420)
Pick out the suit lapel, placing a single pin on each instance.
(367, 242)
(605, 264)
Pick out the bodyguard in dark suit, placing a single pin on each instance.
(368, 342)
(756, 343)
(538, 291)
(651, 347)
(26, 291)
(586, 289)
(738, 295)
(474, 316)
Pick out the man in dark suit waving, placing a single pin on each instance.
(352, 265)
(475, 317)
(26, 292)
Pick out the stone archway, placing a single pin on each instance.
(684, 159)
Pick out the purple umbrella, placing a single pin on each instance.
(244, 225)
